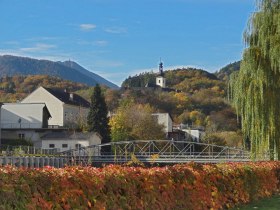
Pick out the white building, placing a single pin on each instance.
(69, 140)
(160, 79)
(164, 119)
(67, 109)
(21, 115)
(24, 121)
(194, 134)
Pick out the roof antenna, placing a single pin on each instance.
(70, 63)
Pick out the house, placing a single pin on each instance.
(177, 135)
(21, 115)
(164, 119)
(67, 109)
(184, 132)
(68, 140)
(194, 134)
(23, 121)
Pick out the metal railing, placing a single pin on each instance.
(20, 125)
(160, 151)
(6, 150)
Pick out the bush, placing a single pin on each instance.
(186, 186)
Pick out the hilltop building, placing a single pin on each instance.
(160, 83)
(160, 79)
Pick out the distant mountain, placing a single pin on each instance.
(226, 71)
(14, 65)
(97, 78)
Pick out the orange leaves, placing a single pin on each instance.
(185, 186)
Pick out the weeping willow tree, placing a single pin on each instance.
(256, 88)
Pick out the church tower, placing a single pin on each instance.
(160, 80)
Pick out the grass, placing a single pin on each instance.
(272, 203)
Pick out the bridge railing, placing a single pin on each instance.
(157, 150)
(7, 150)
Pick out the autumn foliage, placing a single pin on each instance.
(187, 186)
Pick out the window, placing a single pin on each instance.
(77, 146)
(51, 145)
(64, 145)
(21, 136)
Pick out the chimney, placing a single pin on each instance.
(71, 98)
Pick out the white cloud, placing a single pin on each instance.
(115, 30)
(99, 43)
(43, 38)
(87, 27)
(38, 47)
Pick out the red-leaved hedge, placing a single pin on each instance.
(186, 186)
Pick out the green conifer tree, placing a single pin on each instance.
(98, 115)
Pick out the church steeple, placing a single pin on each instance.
(160, 80)
(161, 73)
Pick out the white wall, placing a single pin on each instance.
(74, 114)
(22, 115)
(164, 119)
(71, 139)
(196, 134)
(161, 81)
(54, 105)
(94, 139)
(27, 134)
(71, 144)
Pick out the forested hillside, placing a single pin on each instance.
(16, 88)
(226, 71)
(201, 101)
(200, 91)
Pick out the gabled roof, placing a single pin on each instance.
(68, 135)
(69, 98)
(162, 114)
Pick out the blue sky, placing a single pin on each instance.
(118, 38)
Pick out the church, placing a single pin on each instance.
(161, 81)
